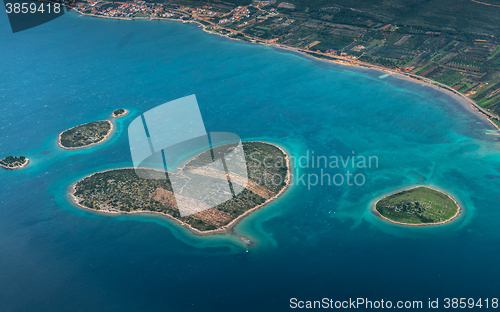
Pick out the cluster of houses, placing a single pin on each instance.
(128, 9)
(238, 13)
(241, 11)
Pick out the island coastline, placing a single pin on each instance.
(224, 229)
(459, 210)
(27, 161)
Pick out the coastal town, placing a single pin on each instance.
(467, 65)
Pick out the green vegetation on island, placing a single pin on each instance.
(418, 206)
(119, 112)
(12, 162)
(85, 135)
(123, 190)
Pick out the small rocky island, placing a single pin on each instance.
(119, 112)
(85, 135)
(123, 191)
(420, 205)
(11, 162)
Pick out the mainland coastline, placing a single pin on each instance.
(378, 214)
(119, 113)
(223, 229)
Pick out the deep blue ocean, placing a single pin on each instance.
(312, 243)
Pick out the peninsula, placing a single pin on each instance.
(85, 135)
(11, 162)
(123, 191)
(419, 205)
(119, 112)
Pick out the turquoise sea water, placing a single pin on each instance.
(312, 243)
